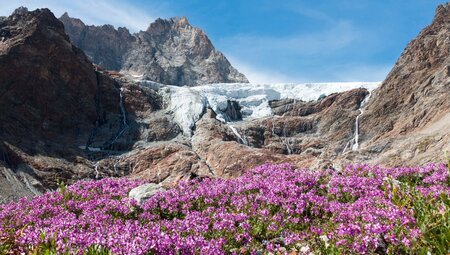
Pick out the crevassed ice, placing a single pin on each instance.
(189, 103)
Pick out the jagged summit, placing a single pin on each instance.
(170, 51)
(442, 13)
(67, 18)
(20, 11)
(171, 23)
(65, 15)
(21, 24)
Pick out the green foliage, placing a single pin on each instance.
(432, 215)
(291, 212)
(48, 247)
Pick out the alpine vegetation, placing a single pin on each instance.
(271, 209)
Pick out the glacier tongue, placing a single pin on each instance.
(187, 106)
(189, 103)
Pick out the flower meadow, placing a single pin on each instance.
(271, 209)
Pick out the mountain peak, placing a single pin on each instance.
(20, 11)
(170, 51)
(65, 18)
(39, 23)
(65, 15)
(181, 21)
(160, 25)
(442, 13)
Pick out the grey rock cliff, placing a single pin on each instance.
(170, 51)
(104, 45)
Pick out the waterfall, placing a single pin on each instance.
(122, 109)
(287, 140)
(355, 139)
(236, 133)
(116, 162)
(124, 118)
(273, 127)
(96, 170)
(355, 146)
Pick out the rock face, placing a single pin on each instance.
(416, 90)
(104, 45)
(170, 52)
(60, 115)
(409, 116)
(302, 133)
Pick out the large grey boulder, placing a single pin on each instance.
(145, 191)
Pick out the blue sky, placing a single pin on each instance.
(277, 40)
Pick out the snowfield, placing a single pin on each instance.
(188, 103)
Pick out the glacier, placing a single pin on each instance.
(187, 104)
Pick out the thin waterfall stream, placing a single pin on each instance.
(239, 136)
(355, 139)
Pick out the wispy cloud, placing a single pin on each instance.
(267, 59)
(370, 73)
(328, 40)
(97, 12)
(260, 75)
(309, 12)
(342, 73)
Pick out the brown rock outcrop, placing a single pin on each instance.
(54, 104)
(304, 140)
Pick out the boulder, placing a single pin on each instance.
(145, 191)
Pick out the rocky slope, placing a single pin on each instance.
(408, 118)
(170, 52)
(57, 110)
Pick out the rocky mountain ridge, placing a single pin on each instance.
(65, 119)
(410, 112)
(170, 51)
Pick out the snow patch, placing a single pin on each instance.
(187, 106)
(95, 149)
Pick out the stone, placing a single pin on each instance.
(145, 191)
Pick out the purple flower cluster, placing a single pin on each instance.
(270, 208)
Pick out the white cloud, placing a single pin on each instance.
(369, 73)
(97, 12)
(260, 76)
(310, 13)
(319, 55)
(329, 40)
(349, 73)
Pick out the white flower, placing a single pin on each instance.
(304, 249)
(325, 240)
